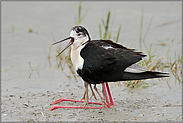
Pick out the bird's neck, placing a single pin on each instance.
(76, 58)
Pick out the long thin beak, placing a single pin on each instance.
(68, 45)
(62, 40)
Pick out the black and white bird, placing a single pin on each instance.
(99, 61)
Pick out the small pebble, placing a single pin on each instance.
(25, 105)
(100, 112)
(141, 115)
(11, 95)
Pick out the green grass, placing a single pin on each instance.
(80, 17)
(141, 25)
(107, 34)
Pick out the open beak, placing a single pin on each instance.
(68, 45)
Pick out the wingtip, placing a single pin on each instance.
(159, 74)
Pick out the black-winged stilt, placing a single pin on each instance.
(99, 61)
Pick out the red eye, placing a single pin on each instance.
(79, 34)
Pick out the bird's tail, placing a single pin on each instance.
(143, 75)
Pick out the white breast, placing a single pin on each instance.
(76, 58)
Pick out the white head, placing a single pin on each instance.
(78, 35)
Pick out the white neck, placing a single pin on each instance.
(78, 44)
(76, 58)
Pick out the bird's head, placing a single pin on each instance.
(78, 36)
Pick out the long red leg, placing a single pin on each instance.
(80, 107)
(56, 107)
(63, 99)
(109, 93)
(105, 93)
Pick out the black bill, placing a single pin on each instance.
(68, 45)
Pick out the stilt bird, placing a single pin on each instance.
(99, 61)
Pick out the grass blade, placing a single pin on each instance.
(100, 31)
(118, 34)
(84, 15)
(147, 32)
(107, 22)
(106, 25)
(141, 24)
(79, 13)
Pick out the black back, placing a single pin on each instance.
(106, 65)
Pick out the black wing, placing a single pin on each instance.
(102, 64)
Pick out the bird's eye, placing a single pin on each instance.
(79, 34)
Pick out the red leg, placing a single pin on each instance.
(63, 99)
(56, 107)
(109, 93)
(108, 104)
(80, 107)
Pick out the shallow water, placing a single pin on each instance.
(51, 21)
